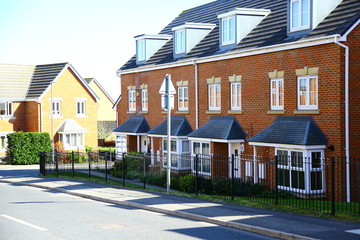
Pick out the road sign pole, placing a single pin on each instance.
(168, 135)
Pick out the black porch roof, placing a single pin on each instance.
(135, 124)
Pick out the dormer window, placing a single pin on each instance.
(148, 45)
(187, 36)
(228, 30)
(299, 15)
(180, 41)
(140, 50)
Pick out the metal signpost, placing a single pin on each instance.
(167, 91)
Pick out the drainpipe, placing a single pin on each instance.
(347, 142)
(196, 95)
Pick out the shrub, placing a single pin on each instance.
(187, 183)
(25, 148)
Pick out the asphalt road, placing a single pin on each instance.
(31, 213)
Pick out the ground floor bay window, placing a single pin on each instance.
(202, 151)
(180, 153)
(301, 171)
(72, 141)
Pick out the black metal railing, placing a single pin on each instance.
(328, 185)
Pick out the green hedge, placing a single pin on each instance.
(24, 147)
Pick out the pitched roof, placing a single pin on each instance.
(179, 127)
(292, 130)
(15, 81)
(89, 80)
(220, 127)
(271, 31)
(70, 126)
(43, 76)
(135, 124)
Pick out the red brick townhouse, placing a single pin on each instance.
(261, 77)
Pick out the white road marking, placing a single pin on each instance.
(23, 222)
(356, 231)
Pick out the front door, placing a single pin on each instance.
(144, 144)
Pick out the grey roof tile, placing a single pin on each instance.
(220, 127)
(135, 124)
(179, 127)
(292, 130)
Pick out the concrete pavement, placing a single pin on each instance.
(267, 222)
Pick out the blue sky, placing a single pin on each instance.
(95, 36)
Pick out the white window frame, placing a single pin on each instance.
(228, 33)
(121, 144)
(306, 167)
(308, 93)
(299, 15)
(183, 99)
(278, 92)
(144, 100)
(140, 50)
(214, 104)
(132, 100)
(180, 41)
(8, 109)
(235, 95)
(80, 107)
(56, 108)
(204, 168)
(179, 155)
(72, 140)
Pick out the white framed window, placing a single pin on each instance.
(183, 98)
(121, 144)
(72, 141)
(6, 108)
(277, 94)
(214, 96)
(3, 142)
(180, 152)
(236, 96)
(301, 170)
(202, 149)
(228, 30)
(144, 100)
(140, 50)
(80, 108)
(307, 92)
(180, 43)
(299, 15)
(132, 100)
(56, 107)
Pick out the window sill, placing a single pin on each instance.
(144, 112)
(213, 112)
(131, 112)
(81, 116)
(306, 112)
(275, 112)
(56, 116)
(182, 112)
(7, 117)
(235, 112)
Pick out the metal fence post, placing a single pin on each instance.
(276, 182)
(196, 174)
(42, 163)
(144, 161)
(333, 186)
(232, 177)
(106, 160)
(72, 163)
(57, 163)
(123, 168)
(89, 154)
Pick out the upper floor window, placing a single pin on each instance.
(56, 107)
(183, 98)
(307, 92)
(277, 94)
(228, 30)
(144, 100)
(140, 49)
(236, 96)
(80, 107)
(180, 41)
(299, 15)
(132, 100)
(214, 97)
(6, 108)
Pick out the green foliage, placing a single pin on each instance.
(156, 179)
(187, 183)
(25, 147)
(88, 148)
(106, 149)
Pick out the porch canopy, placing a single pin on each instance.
(135, 125)
(179, 127)
(71, 126)
(287, 130)
(220, 129)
